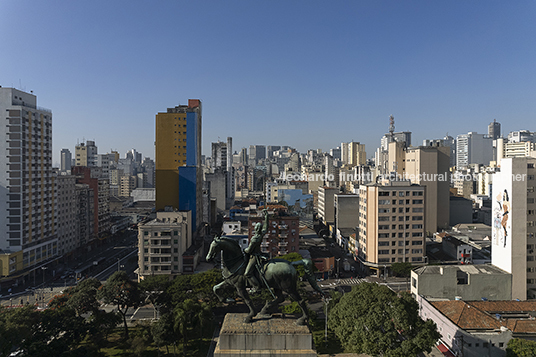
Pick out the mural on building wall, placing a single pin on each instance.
(501, 219)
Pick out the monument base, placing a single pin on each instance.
(263, 337)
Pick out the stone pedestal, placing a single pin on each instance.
(276, 337)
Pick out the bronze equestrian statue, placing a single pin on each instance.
(279, 275)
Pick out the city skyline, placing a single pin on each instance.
(305, 74)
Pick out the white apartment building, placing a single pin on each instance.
(513, 244)
(27, 199)
(162, 243)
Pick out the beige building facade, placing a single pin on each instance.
(391, 226)
(162, 243)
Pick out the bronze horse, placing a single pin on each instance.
(279, 274)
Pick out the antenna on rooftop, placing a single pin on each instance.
(391, 127)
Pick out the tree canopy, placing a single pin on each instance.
(373, 319)
(518, 347)
(119, 290)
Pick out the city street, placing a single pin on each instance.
(121, 255)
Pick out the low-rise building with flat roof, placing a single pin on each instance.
(468, 282)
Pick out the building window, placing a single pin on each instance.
(417, 202)
(501, 344)
(385, 251)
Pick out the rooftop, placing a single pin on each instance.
(517, 316)
(469, 269)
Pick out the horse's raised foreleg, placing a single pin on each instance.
(296, 296)
(218, 289)
(242, 292)
(269, 306)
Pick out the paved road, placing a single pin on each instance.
(124, 250)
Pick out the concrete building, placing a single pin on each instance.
(326, 204)
(467, 282)
(520, 136)
(473, 148)
(86, 154)
(429, 167)
(480, 328)
(85, 213)
(27, 185)
(222, 158)
(101, 199)
(218, 187)
(461, 210)
(513, 241)
(399, 137)
(65, 160)
(256, 154)
(67, 228)
(494, 130)
(282, 236)
(391, 225)
(162, 243)
(178, 170)
(447, 141)
(346, 216)
(353, 154)
(127, 185)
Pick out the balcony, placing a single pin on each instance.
(283, 235)
(282, 244)
(282, 226)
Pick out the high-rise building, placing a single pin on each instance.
(101, 199)
(494, 130)
(513, 238)
(353, 153)
(391, 226)
(178, 172)
(257, 153)
(283, 234)
(68, 238)
(473, 148)
(86, 154)
(66, 159)
(520, 136)
(399, 137)
(27, 198)
(222, 159)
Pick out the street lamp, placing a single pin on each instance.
(326, 301)
(338, 267)
(119, 266)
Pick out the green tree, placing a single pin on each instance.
(101, 324)
(189, 315)
(16, 326)
(518, 347)
(84, 297)
(154, 289)
(373, 319)
(119, 290)
(162, 331)
(401, 269)
(57, 332)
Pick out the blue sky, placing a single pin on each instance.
(309, 74)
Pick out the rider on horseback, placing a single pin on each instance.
(254, 251)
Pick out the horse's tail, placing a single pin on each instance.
(308, 267)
